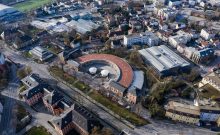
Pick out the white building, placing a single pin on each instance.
(2, 59)
(40, 53)
(206, 34)
(82, 26)
(166, 13)
(142, 38)
(181, 38)
(173, 3)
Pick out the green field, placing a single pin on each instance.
(37, 131)
(69, 79)
(30, 5)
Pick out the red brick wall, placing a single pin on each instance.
(33, 100)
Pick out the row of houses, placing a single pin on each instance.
(67, 115)
(195, 49)
(191, 114)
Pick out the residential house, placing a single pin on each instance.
(207, 34)
(9, 34)
(132, 95)
(166, 13)
(135, 24)
(212, 79)
(181, 38)
(164, 35)
(143, 38)
(22, 41)
(203, 56)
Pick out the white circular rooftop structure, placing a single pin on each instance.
(92, 70)
(104, 73)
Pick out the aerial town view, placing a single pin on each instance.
(109, 67)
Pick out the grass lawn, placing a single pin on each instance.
(27, 54)
(124, 113)
(22, 88)
(37, 131)
(69, 79)
(21, 112)
(81, 86)
(30, 5)
(209, 92)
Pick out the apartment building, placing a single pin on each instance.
(183, 112)
(147, 38)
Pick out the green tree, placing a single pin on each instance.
(21, 73)
(103, 131)
(135, 58)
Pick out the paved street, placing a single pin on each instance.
(7, 125)
(38, 119)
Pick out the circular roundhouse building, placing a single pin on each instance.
(124, 71)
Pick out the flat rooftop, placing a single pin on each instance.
(183, 108)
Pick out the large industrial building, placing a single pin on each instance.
(164, 60)
(8, 13)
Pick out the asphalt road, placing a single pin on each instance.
(7, 126)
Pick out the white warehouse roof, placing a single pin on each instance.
(6, 10)
(138, 81)
(162, 58)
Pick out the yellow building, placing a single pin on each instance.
(213, 79)
(183, 112)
